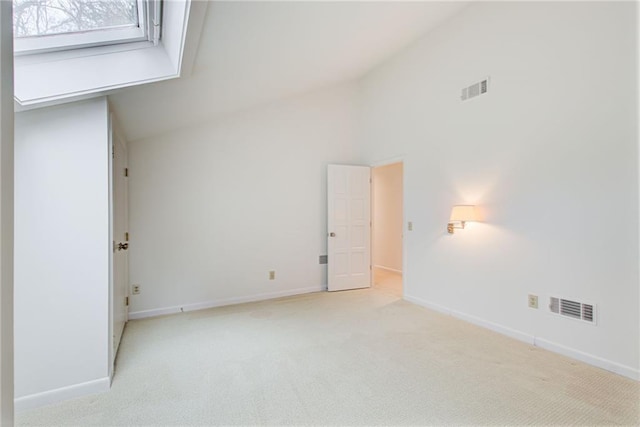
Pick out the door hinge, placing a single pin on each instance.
(114, 246)
(113, 151)
(126, 301)
(126, 236)
(126, 171)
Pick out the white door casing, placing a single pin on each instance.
(120, 239)
(349, 227)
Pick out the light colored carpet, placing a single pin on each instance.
(350, 358)
(387, 281)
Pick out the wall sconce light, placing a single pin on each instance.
(461, 214)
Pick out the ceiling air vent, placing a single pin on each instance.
(573, 309)
(475, 89)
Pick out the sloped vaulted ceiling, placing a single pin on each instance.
(251, 53)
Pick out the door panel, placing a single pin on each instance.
(349, 226)
(120, 238)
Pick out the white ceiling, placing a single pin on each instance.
(252, 53)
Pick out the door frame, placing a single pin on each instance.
(377, 164)
(111, 285)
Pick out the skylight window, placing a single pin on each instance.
(45, 17)
(49, 25)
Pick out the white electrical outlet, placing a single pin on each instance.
(410, 226)
(272, 275)
(533, 301)
(135, 289)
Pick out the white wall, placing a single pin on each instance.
(215, 207)
(6, 215)
(549, 154)
(61, 252)
(387, 216)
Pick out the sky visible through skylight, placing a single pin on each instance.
(49, 17)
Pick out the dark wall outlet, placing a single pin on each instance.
(324, 259)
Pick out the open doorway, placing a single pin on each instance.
(387, 227)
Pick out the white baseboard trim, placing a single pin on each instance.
(435, 307)
(222, 302)
(37, 400)
(625, 371)
(590, 359)
(382, 267)
(520, 336)
(511, 333)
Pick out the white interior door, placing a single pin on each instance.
(120, 241)
(349, 227)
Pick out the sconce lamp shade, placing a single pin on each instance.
(464, 213)
(461, 214)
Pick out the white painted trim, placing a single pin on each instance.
(382, 267)
(405, 228)
(110, 132)
(152, 65)
(222, 302)
(638, 141)
(191, 40)
(590, 359)
(60, 394)
(387, 162)
(427, 304)
(79, 39)
(146, 63)
(625, 371)
(496, 327)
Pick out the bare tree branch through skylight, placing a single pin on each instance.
(48, 17)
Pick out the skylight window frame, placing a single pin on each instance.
(143, 31)
(52, 78)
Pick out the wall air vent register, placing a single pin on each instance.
(573, 309)
(476, 89)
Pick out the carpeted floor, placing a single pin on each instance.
(361, 357)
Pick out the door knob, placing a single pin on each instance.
(332, 234)
(123, 246)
